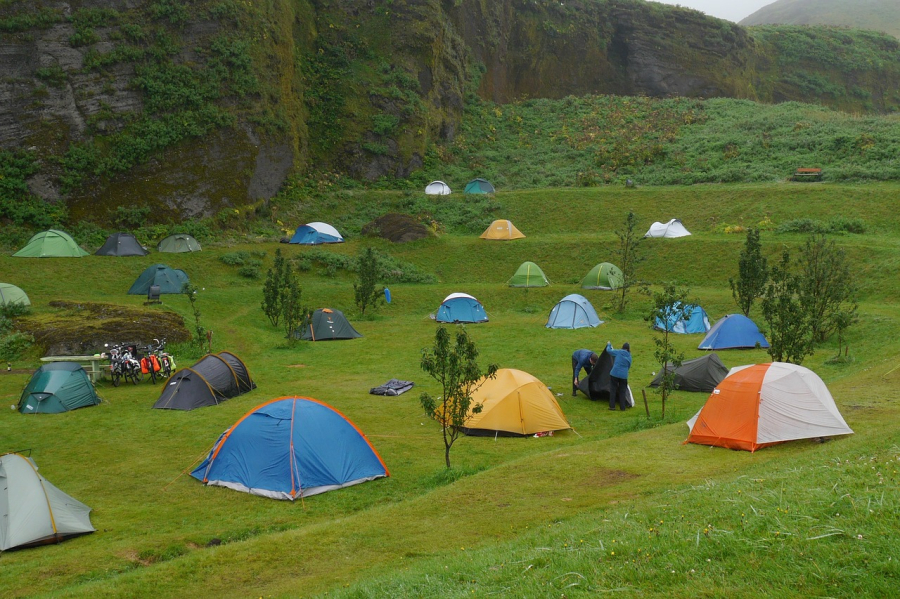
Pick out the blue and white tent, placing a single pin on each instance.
(461, 308)
(316, 233)
(684, 320)
(291, 447)
(733, 331)
(573, 312)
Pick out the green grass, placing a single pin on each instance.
(513, 514)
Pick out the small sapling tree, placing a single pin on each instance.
(629, 256)
(827, 288)
(366, 290)
(790, 336)
(293, 312)
(753, 271)
(199, 338)
(669, 305)
(456, 369)
(273, 289)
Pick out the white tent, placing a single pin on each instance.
(33, 511)
(437, 188)
(673, 228)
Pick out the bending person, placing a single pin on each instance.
(582, 358)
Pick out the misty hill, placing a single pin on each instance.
(877, 15)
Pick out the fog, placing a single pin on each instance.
(731, 10)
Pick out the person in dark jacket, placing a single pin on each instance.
(582, 358)
(618, 376)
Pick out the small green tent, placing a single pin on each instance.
(529, 275)
(169, 280)
(479, 186)
(178, 243)
(10, 294)
(603, 276)
(51, 244)
(328, 324)
(57, 387)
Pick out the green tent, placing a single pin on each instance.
(479, 186)
(57, 387)
(328, 324)
(178, 243)
(10, 294)
(51, 244)
(603, 276)
(169, 280)
(529, 275)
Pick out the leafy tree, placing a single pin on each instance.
(365, 289)
(629, 256)
(670, 303)
(827, 287)
(790, 336)
(273, 289)
(459, 375)
(753, 272)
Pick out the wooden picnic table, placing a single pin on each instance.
(91, 364)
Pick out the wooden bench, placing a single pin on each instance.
(91, 364)
(807, 174)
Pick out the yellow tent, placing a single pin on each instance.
(515, 403)
(502, 230)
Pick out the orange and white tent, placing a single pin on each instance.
(764, 404)
(502, 230)
(515, 403)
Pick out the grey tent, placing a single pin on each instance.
(701, 374)
(212, 380)
(328, 324)
(57, 387)
(121, 244)
(178, 243)
(169, 280)
(32, 510)
(596, 384)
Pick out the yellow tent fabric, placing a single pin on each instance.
(502, 230)
(518, 403)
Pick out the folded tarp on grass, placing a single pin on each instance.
(392, 387)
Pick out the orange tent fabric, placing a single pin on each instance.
(502, 230)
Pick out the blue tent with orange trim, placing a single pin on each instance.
(291, 447)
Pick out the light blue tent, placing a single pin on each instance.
(686, 320)
(169, 280)
(461, 308)
(733, 331)
(573, 312)
(291, 447)
(316, 233)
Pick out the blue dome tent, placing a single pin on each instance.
(291, 447)
(684, 320)
(573, 312)
(461, 308)
(733, 331)
(316, 233)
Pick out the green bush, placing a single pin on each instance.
(235, 258)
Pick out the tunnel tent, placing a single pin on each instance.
(603, 276)
(57, 387)
(573, 312)
(51, 244)
(316, 233)
(684, 321)
(437, 188)
(596, 384)
(178, 243)
(328, 324)
(502, 230)
(733, 331)
(673, 228)
(212, 380)
(479, 185)
(528, 274)
(291, 447)
(33, 511)
(169, 280)
(461, 308)
(700, 374)
(121, 244)
(10, 294)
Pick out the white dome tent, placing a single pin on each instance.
(671, 229)
(437, 188)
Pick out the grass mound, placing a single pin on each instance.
(396, 228)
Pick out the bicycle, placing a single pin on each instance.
(165, 361)
(122, 365)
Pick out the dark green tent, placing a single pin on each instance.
(328, 324)
(169, 280)
(57, 387)
(178, 243)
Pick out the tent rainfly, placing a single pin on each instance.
(573, 312)
(212, 380)
(10, 294)
(763, 404)
(437, 188)
(57, 387)
(316, 233)
(699, 374)
(528, 274)
(671, 229)
(502, 230)
(32, 510)
(169, 280)
(604, 276)
(461, 308)
(51, 244)
(121, 244)
(733, 331)
(479, 186)
(178, 244)
(596, 384)
(328, 324)
(683, 320)
(291, 447)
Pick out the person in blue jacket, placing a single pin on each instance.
(582, 358)
(618, 376)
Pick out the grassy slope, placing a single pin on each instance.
(878, 15)
(154, 527)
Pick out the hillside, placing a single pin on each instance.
(877, 15)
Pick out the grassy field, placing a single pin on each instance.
(617, 505)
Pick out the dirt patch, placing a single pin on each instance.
(82, 328)
(397, 228)
(296, 365)
(608, 478)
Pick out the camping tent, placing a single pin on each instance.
(212, 380)
(733, 331)
(514, 403)
(596, 384)
(328, 324)
(316, 233)
(603, 276)
(10, 294)
(461, 308)
(479, 186)
(57, 387)
(501, 230)
(178, 243)
(573, 312)
(528, 274)
(690, 319)
(291, 447)
(673, 228)
(169, 280)
(32, 510)
(764, 404)
(699, 374)
(51, 244)
(121, 244)
(437, 188)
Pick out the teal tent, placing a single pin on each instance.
(479, 186)
(58, 387)
(169, 280)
